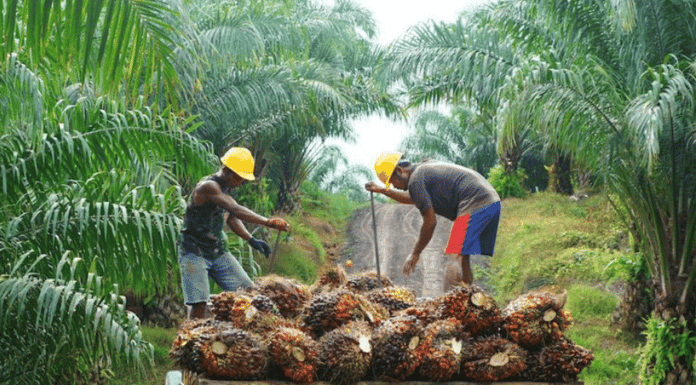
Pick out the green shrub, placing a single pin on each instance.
(508, 185)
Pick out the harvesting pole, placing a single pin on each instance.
(374, 231)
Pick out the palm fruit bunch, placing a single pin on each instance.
(427, 310)
(393, 298)
(492, 358)
(345, 353)
(476, 310)
(441, 349)
(331, 310)
(184, 351)
(395, 343)
(239, 309)
(536, 318)
(234, 354)
(561, 361)
(295, 353)
(366, 281)
(329, 279)
(289, 295)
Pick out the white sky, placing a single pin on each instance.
(376, 134)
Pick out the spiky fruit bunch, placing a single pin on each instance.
(476, 310)
(393, 298)
(366, 281)
(345, 353)
(330, 279)
(441, 349)
(234, 354)
(331, 310)
(536, 318)
(295, 353)
(289, 295)
(492, 358)
(184, 351)
(238, 308)
(427, 310)
(395, 343)
(559, 362)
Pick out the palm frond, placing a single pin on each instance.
(44, 339)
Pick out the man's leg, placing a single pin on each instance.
(453, 271)
(467, 274)
(197, 310)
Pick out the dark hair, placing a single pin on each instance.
(404, 163)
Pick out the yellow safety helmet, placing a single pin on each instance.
(239, 160)
(385, 165)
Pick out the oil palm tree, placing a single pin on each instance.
(90, 164)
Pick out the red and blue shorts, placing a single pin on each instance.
(475, 233)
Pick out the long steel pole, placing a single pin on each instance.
(374, 231)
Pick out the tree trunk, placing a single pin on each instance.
(563, 185)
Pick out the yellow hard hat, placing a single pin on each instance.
(385, 165)
(239, 160)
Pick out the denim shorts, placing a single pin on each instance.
(226, 271)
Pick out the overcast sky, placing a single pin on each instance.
(375, 134)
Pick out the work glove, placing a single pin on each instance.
(260, 246)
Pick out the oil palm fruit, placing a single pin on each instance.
(536, 318)
(345, 353)
(295, 353)
(366, 281)
(239, 309)
(441, 350)
(330, 279)
(331, 310)
(396, 355)
(234, 354)
(289, 295)
(425, 309)
(476, 310)
(561, 361)
(492, 358)
(184, 352)
(393, 298)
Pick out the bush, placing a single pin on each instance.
(508, 185)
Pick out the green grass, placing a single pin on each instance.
(548, 239)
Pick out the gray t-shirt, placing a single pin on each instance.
(451, 190)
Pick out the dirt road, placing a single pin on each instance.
(398, 226)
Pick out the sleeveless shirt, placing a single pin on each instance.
(203, 224)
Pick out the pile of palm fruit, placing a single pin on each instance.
(350, 328)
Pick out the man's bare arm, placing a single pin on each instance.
(397, 195)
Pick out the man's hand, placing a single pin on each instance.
(374, 187)
(410, 264)
(278, 224)
(260, 246)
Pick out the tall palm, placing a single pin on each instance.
(460, 138)
(613, 95)
(89, 170)
(279, 70)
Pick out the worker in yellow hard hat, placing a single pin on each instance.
(452, 191)
(202, 252)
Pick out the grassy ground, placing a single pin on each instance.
(545, 239)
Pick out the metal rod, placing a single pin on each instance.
(275, 248)
(374, 231)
